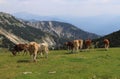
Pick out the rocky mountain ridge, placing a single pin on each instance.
(53, 32)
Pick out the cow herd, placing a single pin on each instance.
(33, 48)
(76, 45)
(42, 48)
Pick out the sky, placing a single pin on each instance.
(68, 8)
(62, 7)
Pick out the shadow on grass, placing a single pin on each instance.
(101, 49)
(76, 52)
(23, 61)
(71, 53)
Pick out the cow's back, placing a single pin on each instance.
(106, 41)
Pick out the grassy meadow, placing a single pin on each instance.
(95, 64)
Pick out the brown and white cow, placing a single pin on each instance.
(43, 49)
(106, 44)
(69, 45)
(35, 48)
(74, 45)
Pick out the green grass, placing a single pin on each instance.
(95, 64)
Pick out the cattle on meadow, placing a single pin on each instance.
(74, 45)
(106, 44)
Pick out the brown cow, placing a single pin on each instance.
(69, 45)
(106, 44)
(88, 43)
(19, 48)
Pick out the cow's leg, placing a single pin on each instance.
(77, 49)
(80, 48)
(72, 50)
(31, 55)
(18, 52)
(14, 53)
(87, 49)
(41, 54)
(24, 52)
(34, 56)
(46, 53)
(105, 46)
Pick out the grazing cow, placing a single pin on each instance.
(43, 49)
(69, 45)
(106, 44)
(35, 48)
(80, 44)
(88, 43)
(18, 48)
(76, 45)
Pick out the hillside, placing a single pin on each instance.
(113, 37)
(52, 32)
(13, 26)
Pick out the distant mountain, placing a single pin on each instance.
(33, 17)
(94, 24)
(102, 24)
(61, 29)
(54, 33)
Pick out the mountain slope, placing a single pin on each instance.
(52, 32)
(13, 38)
(114, 39)
(11, 25)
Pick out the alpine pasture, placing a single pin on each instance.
(93, 64)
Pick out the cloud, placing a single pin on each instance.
(62, 7)
(2, 1)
